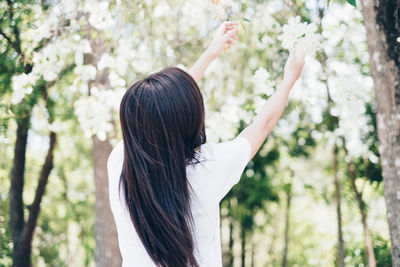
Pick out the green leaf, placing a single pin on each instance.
(352, 2)
(246, 19)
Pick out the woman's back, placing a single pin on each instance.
(220, 167)
(164, 192)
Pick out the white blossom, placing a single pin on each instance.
(347, 91)
(93, 116)
(100, 14)
(220, 13)
(262, 82)
(298, 35)
(115, 80)
(55, 126)
(86, 72)
(22, 85)
(161, 10)
(94, 112)
(106, 61)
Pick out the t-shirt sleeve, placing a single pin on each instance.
(224, 166)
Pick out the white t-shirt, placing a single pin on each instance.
(210, 180)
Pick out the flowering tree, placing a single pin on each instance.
(68, 64)
(382, 24)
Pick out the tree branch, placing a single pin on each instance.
(7, 38)
(27, 234)
(17, 43)
(352, 174)
(47, 166)
(17, 180)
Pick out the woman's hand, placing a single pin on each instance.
(224, 37)
(294, 66)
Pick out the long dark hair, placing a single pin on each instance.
(162, 120)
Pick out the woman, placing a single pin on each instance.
(165, 182)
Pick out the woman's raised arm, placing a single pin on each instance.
(271, 111)
(225, 35)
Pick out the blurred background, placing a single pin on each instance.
(313, 195)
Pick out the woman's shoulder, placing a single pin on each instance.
(117, 150)
(238, 145)
(211, 156)
(116, 157)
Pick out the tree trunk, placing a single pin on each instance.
(285, 249)
(17, 184)
(361, 205)
(65, 198)
(23, 246)
(271, 245)
(340, 255)
(107, 253)
(252, 253)
(381, 18)
(230, 250)
(243, 237)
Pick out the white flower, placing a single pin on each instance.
(78, 58)
(161, 10)
(69, 7)
(220, 13)
(262, 82)
(17, 96)
(121, 65)
(56, 126)
(115, 80)
(348, 93)
(301, 36)
(85, 72)
(84, 46)
(106, 61)
(100, 15)
(93, 116)
(22, 85)
(50, 61)
(94, 112)
(49, 76)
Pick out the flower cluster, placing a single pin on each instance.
(22, 85)
(218, 9)
(94, 112)
(262, 82)
(47, 64)
(300, 35)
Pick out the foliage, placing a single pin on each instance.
(143, 36)
(356, 253)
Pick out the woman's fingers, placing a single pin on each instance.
(230, 34)
(222, 28)
(231, 42)
(229, 25)
(231, 22)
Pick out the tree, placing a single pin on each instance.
(361, 205)
(363, 167)
(131, 39)
(105, 233)
(287, 216)
(381, 19)
(22, 230)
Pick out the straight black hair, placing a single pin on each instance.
(162, 120)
